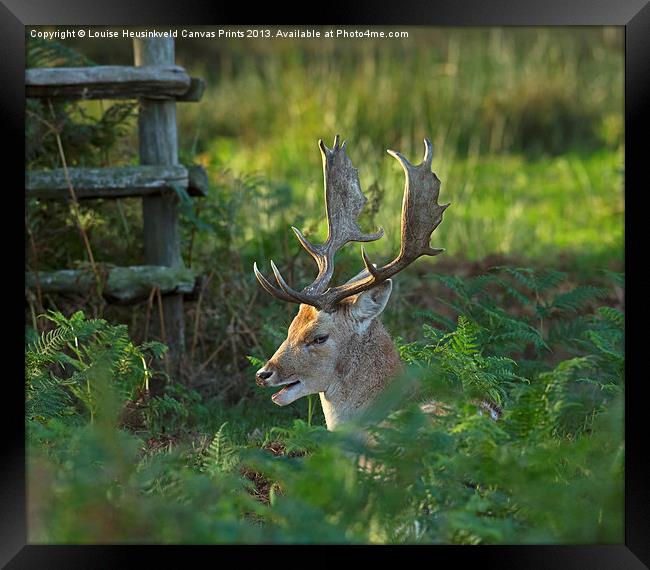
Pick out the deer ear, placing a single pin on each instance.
(369, 304)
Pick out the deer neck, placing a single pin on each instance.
(364, 368)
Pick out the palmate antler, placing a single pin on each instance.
(344, 201)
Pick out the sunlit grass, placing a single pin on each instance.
(500, 204)
(526, 126)
(526, 123)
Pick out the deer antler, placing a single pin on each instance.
(421, 215)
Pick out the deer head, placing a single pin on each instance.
(335, 346)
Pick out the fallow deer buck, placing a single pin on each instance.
(336, 346)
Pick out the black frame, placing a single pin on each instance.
(634, 15)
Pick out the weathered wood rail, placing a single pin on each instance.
(113, 82)
(158, 84)
(119, 182)
(120, 284)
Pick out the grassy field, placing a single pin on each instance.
(526, 123)
(526, 126)
(527, 129)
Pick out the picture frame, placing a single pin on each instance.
(633, 15)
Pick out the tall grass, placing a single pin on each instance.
(526, 125)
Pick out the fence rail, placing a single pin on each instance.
(111, 183)
(113, 82)
(119, 284)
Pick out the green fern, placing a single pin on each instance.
(576, 299)
(220, 456)
(616, 317)
(87, 140)
(40, 52)
(459, 477)
(60, 364)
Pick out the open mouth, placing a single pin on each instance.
(287, 394)
(285, 388)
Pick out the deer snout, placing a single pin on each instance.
(262, 376)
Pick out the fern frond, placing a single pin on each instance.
(514, 292)
(549, 279)
(40, 52)
(612, 315)
(456, 284)
(220, 456)
(577, 298)
(616, 277)
(434, 317)
(524, 275)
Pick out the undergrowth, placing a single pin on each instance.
(187, 470)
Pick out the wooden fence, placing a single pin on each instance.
(158, 84)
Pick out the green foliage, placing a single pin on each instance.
(88, 134)
(177, 407)
(456, 358)
(503, 90)
(399, 475)
(301, 436)
(48, 53)
(544, 312)
(87, 138)
(221, 455)
(105, 491)
(60, 366)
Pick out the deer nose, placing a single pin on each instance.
(262, 376)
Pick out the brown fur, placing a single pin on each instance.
(348, 371)
(303, 324)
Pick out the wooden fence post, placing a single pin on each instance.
(158, 145)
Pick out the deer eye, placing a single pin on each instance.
(320, 339)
